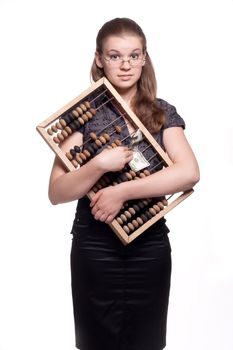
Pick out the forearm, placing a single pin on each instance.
(169, 180)
(75, 184)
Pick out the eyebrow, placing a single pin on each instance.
(116, 51)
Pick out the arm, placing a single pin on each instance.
(68, 186)
(181, 176)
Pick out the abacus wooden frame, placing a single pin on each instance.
(124, 109)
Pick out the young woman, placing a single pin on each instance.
(121, 293)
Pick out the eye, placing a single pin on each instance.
(134, 56)
(114, 57)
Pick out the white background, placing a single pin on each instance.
(46, 52)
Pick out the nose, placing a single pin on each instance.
(125, 64)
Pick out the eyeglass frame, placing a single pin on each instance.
(121, 60)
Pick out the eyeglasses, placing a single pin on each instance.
(134, 60)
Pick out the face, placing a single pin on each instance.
(122, 60)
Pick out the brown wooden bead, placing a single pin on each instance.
(84, 108)
(132, 211)
(118, 142)
(93, 136)
(79, 110)
(119, 220)
(98, 143)
(135, 223)
(82, 156)
(102, 139)
(89, 115)
(131, 226)
(81, 121)
(58, 126)
(85, 118)
(152, 211)
(106, 136)
(56, 139)
(118, 129)
(165, 202)
(160, 204)
(126, 229)
(63, 122)
(74, 162)
(75, 113)
(139, 220)
(54, 128)
(93, 111)
(87, 153)
(50, 131)
(64, 133)
(68, 130)
(127, 214)
(156, 208)
(69, 155)
(87, 104)
(79, 159)
(123, 217)
(60, 137)
(146, 172)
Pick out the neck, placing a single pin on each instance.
(128, 95)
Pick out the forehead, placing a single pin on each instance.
(127, 42)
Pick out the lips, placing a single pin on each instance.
(125, 76)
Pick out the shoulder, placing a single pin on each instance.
(172, 118)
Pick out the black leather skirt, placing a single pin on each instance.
(120, 293)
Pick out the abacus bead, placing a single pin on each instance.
(82, 156)
(64, 133)
(85, 118)
(118, 142)
(75, 163)
(77, 149)
(123, 217)
(146, 172)
(102, 139)
(63, 122)
(98, 143)
(123, 177)
(156, 208)
(127, 214)
(79, 110)
(87, 154)
(131, 226)
(106, 136)
(113, 145)
(58, 125)
(73, 153)
(95, 147)
(136, 207)
(119, 220)
(87, 104)
(79, 159)
(126, 229)
(132, 173)
(145, 202)
(84, 108)
(93, 111)
(54, 128)
(165, 202)
(89, 115)
(132, 211)
(141, 205)
(160, 204)
(90, 149)
(75, 113)
(77, 124)
(81, 121)
(139, 220)
(68, 129)
(148, 214)
(144, 218)
(129, 176)
(56, 139)
(93, 136)
(50, 132)
(152, 211)
(72, 126)
(135, 223)
(69, 155)
(118, 129)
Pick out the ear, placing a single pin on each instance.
(98, 60)
(144, 58)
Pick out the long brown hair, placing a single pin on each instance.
(144, 103)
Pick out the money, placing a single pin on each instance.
(138, 162)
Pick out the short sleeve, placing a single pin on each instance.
(173, 119)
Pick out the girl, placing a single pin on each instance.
(121, 293)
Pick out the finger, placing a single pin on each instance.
(109, 219)
(95, 198)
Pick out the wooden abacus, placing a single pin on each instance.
(135, 216)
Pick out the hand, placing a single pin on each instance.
(114, 159)
(107, 203)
